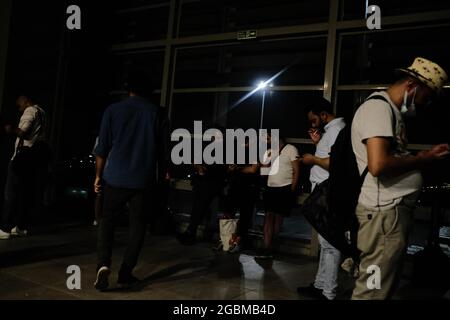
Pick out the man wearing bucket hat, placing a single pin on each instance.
(391, 186)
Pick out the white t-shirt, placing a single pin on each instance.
(281, 170)
(374, 119)
(32, 122)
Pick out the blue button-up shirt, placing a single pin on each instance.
(127, 140)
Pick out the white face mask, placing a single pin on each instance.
(410, 110)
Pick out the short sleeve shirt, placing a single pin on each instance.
(281, 171)
(127, 141)
(375, 119)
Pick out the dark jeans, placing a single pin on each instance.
(203, 192)
(98, 206)
(23, 195)
(243, 198)
(113, 203)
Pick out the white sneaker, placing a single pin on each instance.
(4, 235)
(95, 223)
(19, 233)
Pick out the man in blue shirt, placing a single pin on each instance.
(125, 171)
(322, 119)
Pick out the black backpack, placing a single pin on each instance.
(330, 208)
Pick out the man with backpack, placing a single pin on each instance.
(392, 178)
(322, 119)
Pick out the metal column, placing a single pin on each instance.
(331, 50)
(168, 53)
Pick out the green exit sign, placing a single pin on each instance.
(246, 34)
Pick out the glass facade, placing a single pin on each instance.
(321, 48)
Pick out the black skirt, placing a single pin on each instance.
(279, 200)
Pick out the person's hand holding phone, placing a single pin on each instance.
(438, 152)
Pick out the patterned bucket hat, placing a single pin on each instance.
(427, 72)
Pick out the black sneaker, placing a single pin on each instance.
(102, 283)
(186, 239)
(126, 280)
(312, 292)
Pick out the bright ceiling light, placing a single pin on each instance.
(262, 85)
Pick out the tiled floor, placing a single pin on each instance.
(35, 268)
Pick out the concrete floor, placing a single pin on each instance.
(35, 268)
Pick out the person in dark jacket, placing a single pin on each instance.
(125, 172)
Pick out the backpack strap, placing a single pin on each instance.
(40, 117)
(364, 174)
(380, 97)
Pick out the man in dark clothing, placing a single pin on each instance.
(207, 184)
(26, 171)
(242, 195)
(125, 172)
(243, 191)
(160, 221)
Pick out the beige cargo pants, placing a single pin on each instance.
(382, 239)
